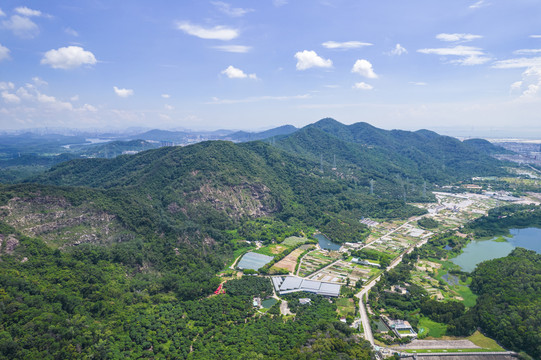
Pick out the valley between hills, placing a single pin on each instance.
(137, 256)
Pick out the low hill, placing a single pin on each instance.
(243, 136)
(485, 146)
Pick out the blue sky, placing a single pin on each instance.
(461, 67)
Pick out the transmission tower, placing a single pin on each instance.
(372, 186)
(334, 163)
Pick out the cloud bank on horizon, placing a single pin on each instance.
(193, 64)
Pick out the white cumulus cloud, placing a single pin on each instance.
(233, 48)
(308, 59)
(530, 84)
(21, 26)
(457, 37)
(88, 107)
(215, 33)
(6, 85)
(68, 57)
(36, 102)
(398, 50)
(469, 55)
(4, 53)
(229, 10)
(535, 36)
(364, 68)
(124, 93)
(345, 45)
(38, 81)
(234, 73)
(166, 96)
(10, 98)
(169, 107)
(25, 11)
(363, 86)
(2, 13)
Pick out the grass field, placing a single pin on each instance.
(436, 330)
(294, 241)
(465, 292)
(427, 351)
(272, 250)
(486, 343)
(345, 306)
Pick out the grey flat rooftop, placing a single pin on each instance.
(330, 288)
(289, 284)
(311, 284)
(277, 281)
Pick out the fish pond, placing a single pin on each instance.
(325, 243)
(267, 304)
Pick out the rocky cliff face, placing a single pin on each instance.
(60, 223)
(244, 200)
(8, 243)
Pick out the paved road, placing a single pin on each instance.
(302, 258)
(322, 269)
(367, 330)
(366, 288)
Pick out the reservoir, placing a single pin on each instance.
(325, 243)
(482, 250)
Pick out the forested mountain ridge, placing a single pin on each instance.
(394, 155)
(215, 183)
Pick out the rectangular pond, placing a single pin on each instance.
(267, 304)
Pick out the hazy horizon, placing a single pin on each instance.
(469, 68)
(492, 135)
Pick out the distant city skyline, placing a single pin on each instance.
(463, 68)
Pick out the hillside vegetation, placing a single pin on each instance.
(116, 258)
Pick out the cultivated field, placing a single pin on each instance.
(290, 261)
